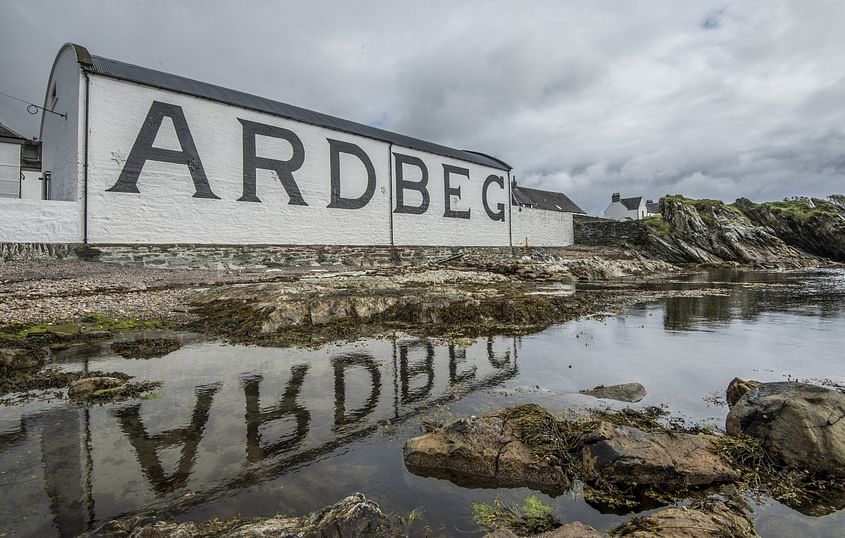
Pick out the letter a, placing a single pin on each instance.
(143, 151)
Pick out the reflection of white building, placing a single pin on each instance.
(626, 208)
(20, 166)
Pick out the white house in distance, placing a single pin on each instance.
(634, 208)
(20, 166)
(134, 156)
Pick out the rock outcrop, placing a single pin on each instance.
(710, 231)
(705, 519)
(631, 459)
(790, 233)
(814, 225)
(494, 451)
(311, 309)
(800, 425)
(353, 517)
(625, 392)
(711, 517)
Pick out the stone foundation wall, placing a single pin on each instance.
(593, 232)
(258, 256)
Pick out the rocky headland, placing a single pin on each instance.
(793, 233)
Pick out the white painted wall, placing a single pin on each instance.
(10, 170)
(39, 221)
(541, 228)
(432, 228)
(62, 149)
(165, 210)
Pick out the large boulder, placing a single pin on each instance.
(625, 392)
(799, 425)
(632, 459)
(490, 451)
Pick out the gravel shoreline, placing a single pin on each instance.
(43, 290)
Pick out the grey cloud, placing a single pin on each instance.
(715, 99)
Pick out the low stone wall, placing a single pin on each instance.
(594, 232)
(258, 256)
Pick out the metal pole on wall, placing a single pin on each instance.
(510, 213)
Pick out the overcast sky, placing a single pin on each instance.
(707, 99)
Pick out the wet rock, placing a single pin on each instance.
(799, 425)
(737, 389)
(631, 459)
(489, 451)
(87, 386)
(22, 359)
(352, 517)
(625, 392)
(712, 517)
(146, 348)
(573, 529)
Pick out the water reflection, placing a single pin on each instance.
(748, 295)
(147, 446)
(342, 417)
(293, 407)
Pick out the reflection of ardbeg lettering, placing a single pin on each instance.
(147, 446)
(459, 356)
(341, 364)
(408, 370)
(288, 406)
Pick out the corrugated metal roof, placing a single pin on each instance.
(157, 79)
(548, 200)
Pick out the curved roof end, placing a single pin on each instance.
(500, 161)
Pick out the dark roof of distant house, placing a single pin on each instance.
(5, 132)
(157, 79)
(548, 200)
(632, 204)
(652, 207)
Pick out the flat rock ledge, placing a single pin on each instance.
(525, 446)
(625, 392)
(489, 451)
(705, 519)
(353, 517)
(631, 459)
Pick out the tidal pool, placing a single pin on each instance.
(255, 431)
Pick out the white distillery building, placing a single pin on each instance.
(634, 208)
(139, 156)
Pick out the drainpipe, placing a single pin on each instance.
(390, 183)
(510, 214)
(85, 166)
